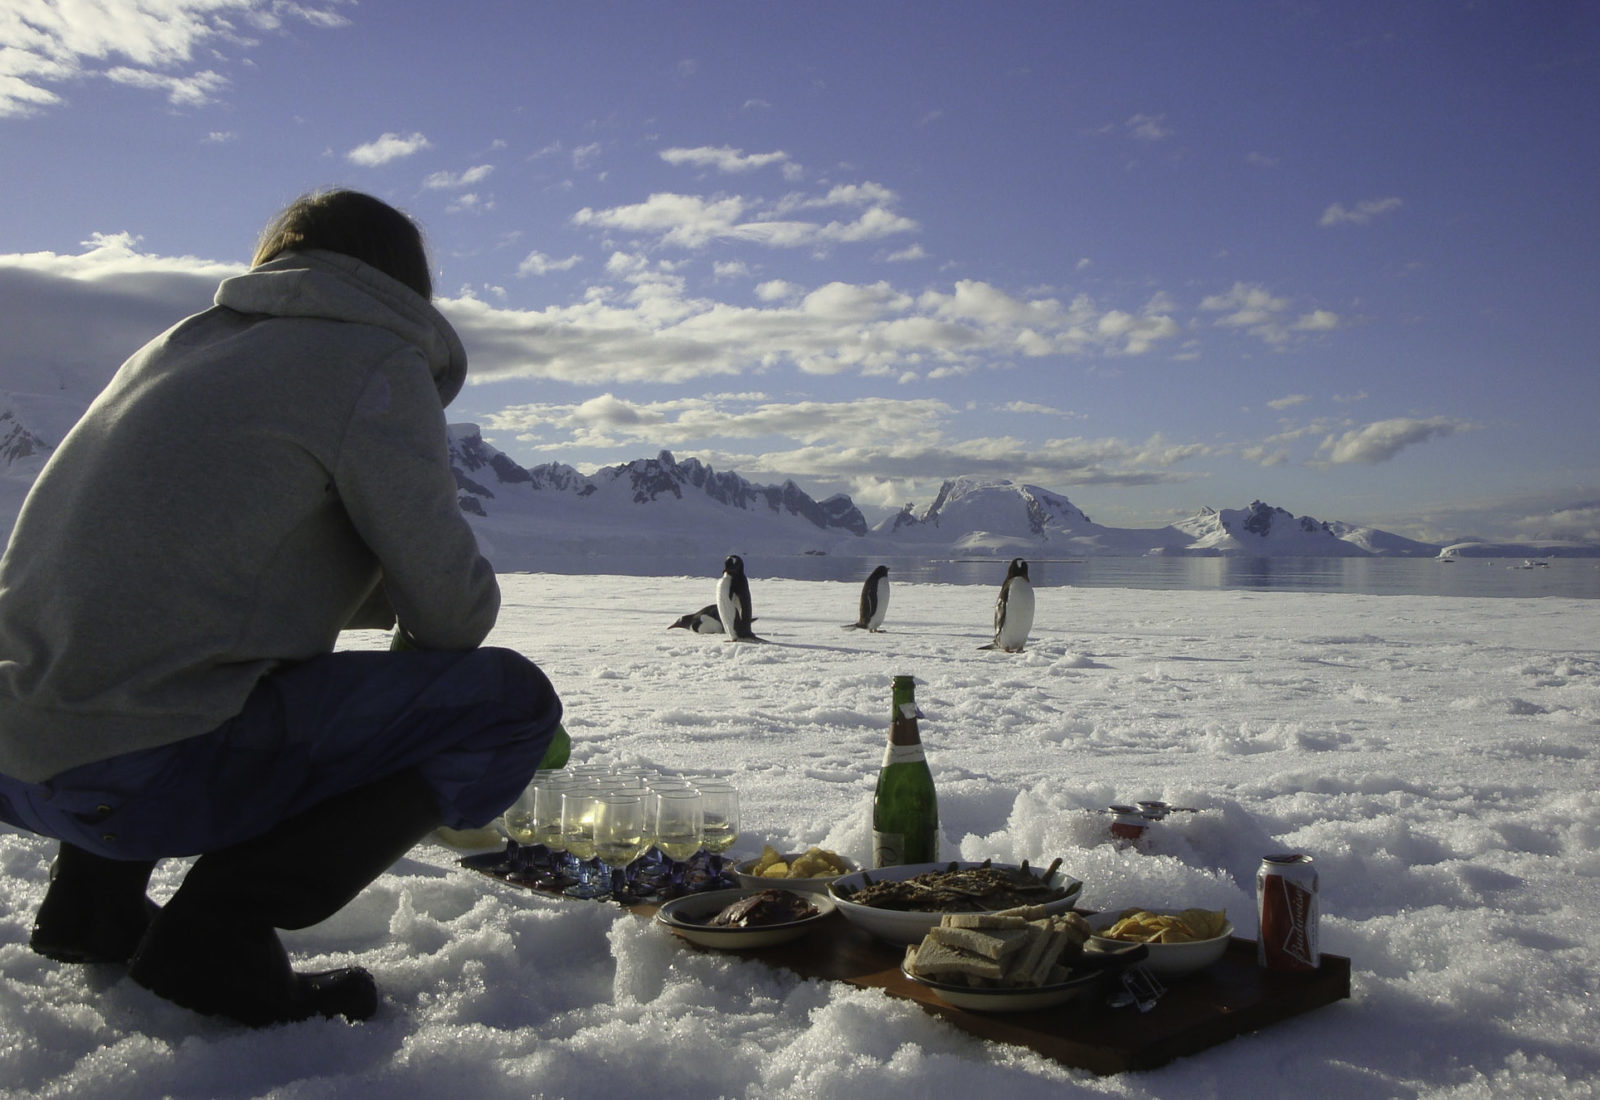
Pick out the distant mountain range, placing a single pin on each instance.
(660, 506)
(664, 506)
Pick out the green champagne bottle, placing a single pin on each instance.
(905, 811)
(560, 749)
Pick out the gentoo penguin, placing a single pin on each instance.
(1013, 611)
(874, 602)
(704, 621)
(733, 600)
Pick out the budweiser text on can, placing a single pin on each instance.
(1286, 891)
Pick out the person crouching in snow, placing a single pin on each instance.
(256, 479)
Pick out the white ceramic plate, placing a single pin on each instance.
(1167, 960)
(1022, 999)
(898, 926)
(816, 885)
(687, 917)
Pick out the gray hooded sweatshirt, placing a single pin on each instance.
(229, 503)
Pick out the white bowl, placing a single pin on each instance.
(901, 926)
(1167, 960)
(687, 917)
(816, 885)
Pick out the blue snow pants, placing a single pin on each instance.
(475, 724)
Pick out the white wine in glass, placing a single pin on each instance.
(518, 818)
(619, 832)
(719, 814)
(547, 814)
(577, 822)
(676, 822)
(620, 837)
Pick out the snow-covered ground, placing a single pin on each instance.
(1437, 756)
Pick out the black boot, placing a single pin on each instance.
(95, 910)
(214, 947)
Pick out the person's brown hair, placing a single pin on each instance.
(353, 224)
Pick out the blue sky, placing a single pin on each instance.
(1153, 256)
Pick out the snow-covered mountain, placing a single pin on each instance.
(1265, 531)
(661, 506)
(687, 507)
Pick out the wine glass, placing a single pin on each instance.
(676, 824)
(547, 792)
(518, 818)
(620, 837)
(719, 821)
(577, 836)
(517, 823)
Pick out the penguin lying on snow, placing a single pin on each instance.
(704, 621)
(1013, 611)
(733, 601)
(874, 602)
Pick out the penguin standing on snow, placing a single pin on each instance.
(733, 601)
(1013, 611)
(874, 602)
(704, 621)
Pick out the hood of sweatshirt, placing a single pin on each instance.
(334, 287)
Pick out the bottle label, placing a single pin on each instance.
(910, 710)
(902, 754)
(888, 849)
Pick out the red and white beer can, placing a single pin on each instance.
(1127, 823)
(1286, 892)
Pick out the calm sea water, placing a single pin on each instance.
(1572, 577)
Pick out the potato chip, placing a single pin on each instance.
(1143, 926)
(1206, 923)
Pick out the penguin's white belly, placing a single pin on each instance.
(1013, 616)
(875, 620)
(728, 608)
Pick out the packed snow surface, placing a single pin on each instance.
(1436, 755)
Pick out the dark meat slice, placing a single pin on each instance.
(767, 907)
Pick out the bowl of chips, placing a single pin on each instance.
(810, 870)
(1181, 941)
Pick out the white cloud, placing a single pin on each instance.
(1359, 214)
(1579, 522)
(1149, 127)
(146, 45)
(907, 254)
(1256, 310)
(775, 290)
(695, 221)
(1318, 320)
(443, 181)
(387, 148)
(469, 202)
(1288, 401)
(181, 91)
(722, 158)
(1384, 439)
(902, 442)
(537, 263)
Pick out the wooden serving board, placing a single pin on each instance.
(1231, 997)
